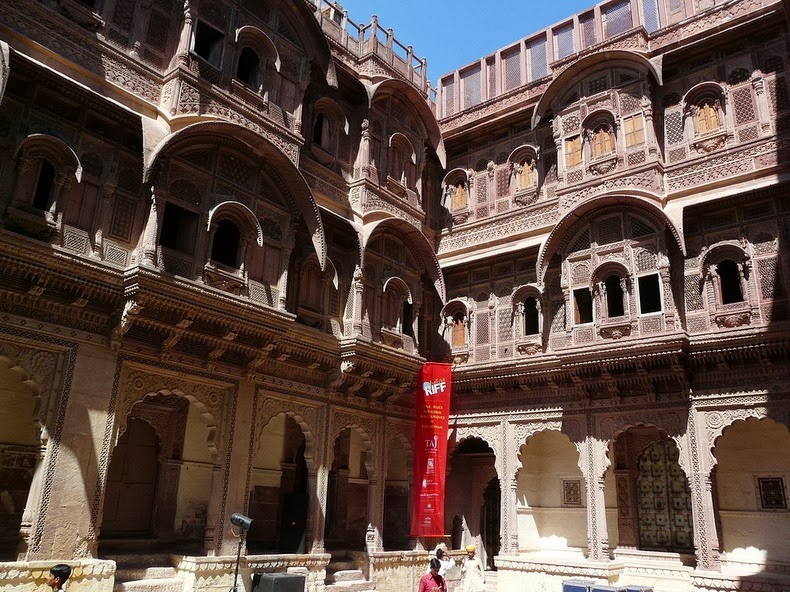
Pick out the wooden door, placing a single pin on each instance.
(131, 482)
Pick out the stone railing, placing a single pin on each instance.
(88, 575)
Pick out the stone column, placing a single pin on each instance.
(698, 468)
(376, 485)
(237, 476)
(508, 519)
(65, 518)
(212, 540)
(33, 502)
(593, 466)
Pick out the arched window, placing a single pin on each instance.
(248, 68)
(729, 281)
(322, 131)
(310, 287)
(614, 296)
(225, 247)
(459, 330)
(531, 316)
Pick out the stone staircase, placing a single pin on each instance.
(146, 573)
(491, 581)
(342, 575)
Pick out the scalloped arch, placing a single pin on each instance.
(585, 66)
(646, 202)
(241, 211)
(295, 186)
(418, 243)
(53, 149)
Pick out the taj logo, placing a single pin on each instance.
(435, 387)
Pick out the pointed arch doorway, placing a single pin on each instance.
(131, 482)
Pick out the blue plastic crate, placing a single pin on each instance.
(577, 585)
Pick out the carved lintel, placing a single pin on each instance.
(732, 320)
(615, 331)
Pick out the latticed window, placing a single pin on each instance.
(537, 59)
(650, 9)
(587, 23)
(707, 117)
(618, 18)
(634, 130)
(602, 141)
(449, 96)
(673, 126)
(573, 151)
(470, 81)
(564, 39)
(511, 69)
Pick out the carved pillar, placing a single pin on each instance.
(508, 520)
(34, 498)
(142, 9)
(151, 232)
(317, 483)
(285, 258)
(167, 497)
(23, 184)
(102, 220)
(211, 540)
(593, 466)
(700, 465)
(185, 37)
(357, 294)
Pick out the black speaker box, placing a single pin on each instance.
(576, 585)
(277, 582)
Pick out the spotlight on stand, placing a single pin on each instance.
(243, 523)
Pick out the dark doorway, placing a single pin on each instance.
(131, 482)
(490, 517)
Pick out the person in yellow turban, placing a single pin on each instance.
(472, 570)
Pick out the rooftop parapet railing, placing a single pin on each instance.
(372, 39)
(630, 24)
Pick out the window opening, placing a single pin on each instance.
(602, 143)
(634, 128)
(225, 248)
(614, 296)
(573, 151)
(649, 294)
(582, 306)
(707, 117)
(407, 319)
(730, 282)
(179, 229)
(247, 69)
(42, 198)
(459, 330)
(208, 43)
(531, 317)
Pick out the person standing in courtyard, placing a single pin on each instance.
(432, 581)
(472, 570)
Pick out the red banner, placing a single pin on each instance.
(430, 450)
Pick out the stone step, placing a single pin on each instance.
(340, 565)
(345, 575)
(153, 585)
(359, 586)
